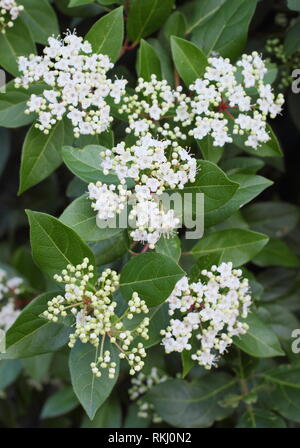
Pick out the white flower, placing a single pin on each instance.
(208, 310)
(79, 85)
(9, 11)
(8, 315)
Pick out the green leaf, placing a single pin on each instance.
(9, 372)
(294, 5)
(91, 391)
(170, 247)
(41, 155)
(292, 39)
(37, 367)
(174, 26)
(148, 62)
(111, 249)
(190, 61)
(23, 262)
(60, 403)
(146, 17)
(250, 187)
(217, 188)
(242, 165)
(276, 253)
(31, 335)
(209, 151)
(85, 163)
(270, 149)
(285, 375)
(276, 219)
(259, 341)
(197, 13)
(108, 416)
(153, 276)
(236, 245)
(260, 418)
(40, 19)
(54, 245)
(192, 405)
(5, 148)
(17, 41)
(106, 35)
(80, 217)
(13, 104)
(223, 29)
(79, 2)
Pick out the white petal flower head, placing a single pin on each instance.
(79, 86)
(208, 310)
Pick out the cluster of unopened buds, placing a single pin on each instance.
(9, 12)
(77, 82)
(286, 64)
(10, 289)
(208, 312)
(91, 302)
(141, 384)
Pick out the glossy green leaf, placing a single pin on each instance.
(260, 418)
(55, 245)
(10, 369)
(250, 187)
(40, 19)
(146, 17)
(294, 5)
(13, 104)
(225, 27)
(190, 61)
(236, 245)
(41, 155)
(108, 416)
(148, 62)
(91, 391)
(190, 405)
(80, 217)
(259, 341)
(153, 276)
(60, 403)
(17, 41)
(292, 39)
(31, 335)
(277, 253)
(276, 219)
(171, 247)
(106, 35)
(85, 163)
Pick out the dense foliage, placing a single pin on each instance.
(113, 101)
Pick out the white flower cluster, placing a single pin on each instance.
(10, 288)
(207, 312)
(142, 384)
(152, 102)
(223, 98)
(78, 85)
(155, 166)
(96, 321)
(9, 11)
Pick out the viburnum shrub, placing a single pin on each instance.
(120, 315)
